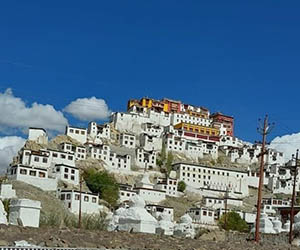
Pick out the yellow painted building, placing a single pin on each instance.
(151, 103)
(198, 114)
(198, 129)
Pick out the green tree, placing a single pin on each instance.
(169, 162)
(103, 183)
(234, 222)
(181, 186)
(163, 153)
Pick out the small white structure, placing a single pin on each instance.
(38, 135)
(219, 202)
(277, 225)
(111, 159)
(296, 228)
(169, 185)
(96, 132)
(28, 211)
(3, 214)
(286, 226)
(67, 173)
(185, 227)
(146, 190)
(165, 225)
(6, 191)
(127, 140)
(79, 134)
(136, 217)
(79, 151)
(60, 157)
(150, 142)
(35, 158)
(34, 176)
(145, 159)
(202, 215)
(125, 192)
(265, 225)
(158, 210)
(89, 201)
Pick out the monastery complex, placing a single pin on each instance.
(217, 167)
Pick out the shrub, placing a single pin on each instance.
(53, 219)
(6, 203)
(104, 184)
(234, 222)
(181, 186)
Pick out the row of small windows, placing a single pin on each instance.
(77, 197)
(62, 156)
(30, 172)
(77, 131)
(204, 213)
(210, 172)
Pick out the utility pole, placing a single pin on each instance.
(293, 199)
(80, 197)
(263, 131)
(225, 199)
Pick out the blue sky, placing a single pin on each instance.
(237, 57)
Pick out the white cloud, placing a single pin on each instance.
(288, 144)
(88, 109)
(16, 115)
(9, 146)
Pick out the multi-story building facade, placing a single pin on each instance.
(213, 178)
(145, 159)
(71, 200)
(79, 134)
(111, 159)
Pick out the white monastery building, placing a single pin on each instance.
(79, 134)
(89, 201)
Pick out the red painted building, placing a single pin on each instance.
(227, 121)
(173, 106)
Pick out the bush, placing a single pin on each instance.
(88, 221)
(169, 162)
(181, 186)
(53, 219)
(94, 221)
(104, 184)
(234, 222)
(6, 203)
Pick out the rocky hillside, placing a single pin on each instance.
(215, 240)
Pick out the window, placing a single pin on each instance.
(86, 198)
(204, 213)
(45, 160)
(70, 157)
(37, 159)
(54, 155)
(32, 173)
(42, 174)
(72, 177)
(94, 200)
(77, 197)
(72, 171)
(63, 156)
(83, 132)
(76, 131)
(62, 197)
(68, 196)
(66, 170)
(23, 171)
(71, 130)
(66, 176)
(209, 213)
